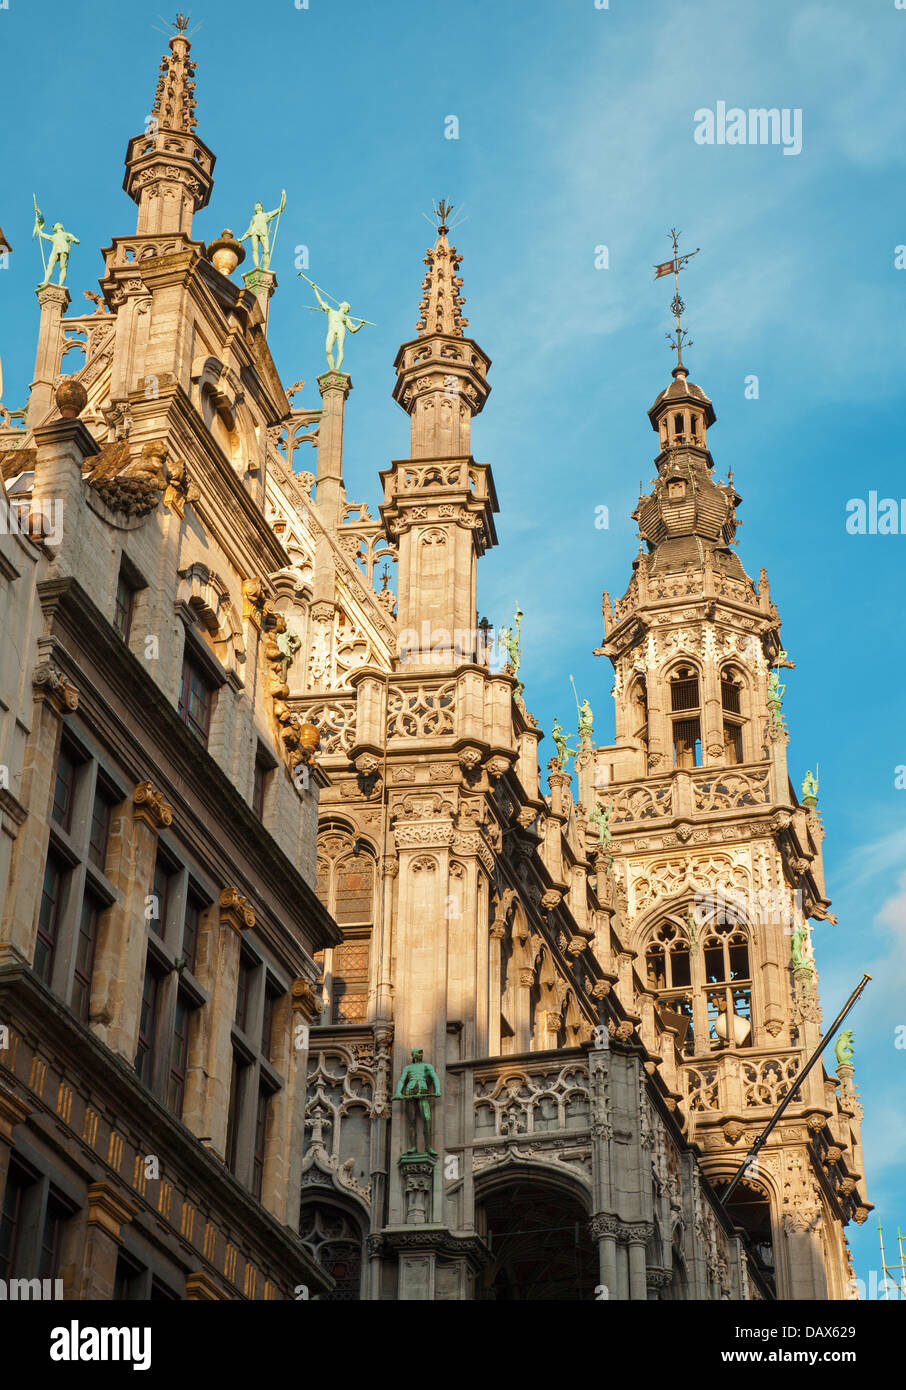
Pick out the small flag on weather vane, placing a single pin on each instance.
(667, 268)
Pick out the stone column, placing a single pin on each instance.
(92, 1274)
(118, 977)
(637, 1234)
(335, 388)
(54, 301)
(262, 284)
(55, 697)
(12, 1112)
(210, 1066)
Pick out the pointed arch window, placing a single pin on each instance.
(703, 975)
(685, 701)
(346, 884)
(731, 688)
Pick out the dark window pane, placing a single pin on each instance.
(261, 776)
(267, 1024)
(684, 692)
(161, 891)
(179, 1056)
(64, 787)
(125, 602)
(729, 695)
(144, 1057)
(100, 830)
(11, 1219)
(242, 993)
(237, 1083)
(260, 1132)
(195, 699)
(86, 945)
(126, 1281)
(191, 927)
(161, 1290)
(48, 920)
(49, 1255)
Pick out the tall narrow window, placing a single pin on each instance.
(687, 743)
(260, 1136)
(86, 945)
(732, 742)
(49, 1255)
(191, 929)
(263, 770)
(147, 1026)
(99, 834)
(17, 1181)
(242, 992)
(196, 697)
(64, 789)
(179, 1055)
(237, 1084)
(163, 875)
(267, 1023)
(124, 607)
(48, 919)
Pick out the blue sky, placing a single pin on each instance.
(575, 131)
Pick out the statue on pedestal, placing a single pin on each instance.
(338, 321)
(259, 232)
(61, 243)
(412, 1087)
(563, 749)
(843, 1048)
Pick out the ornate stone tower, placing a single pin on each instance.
(720, 861)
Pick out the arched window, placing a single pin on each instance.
(334, 1239)
(685, 702)
(731, 685)
(345, 885)
(702, 977)
(727, 969)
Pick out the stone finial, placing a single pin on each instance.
(71, 398)
(236, 910)
(148, 805)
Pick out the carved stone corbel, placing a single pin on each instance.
(236, 910)
(148, 806)
(55, 687)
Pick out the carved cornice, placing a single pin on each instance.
(306, 999)
(55, 687)
(149, 807)
(236, 911)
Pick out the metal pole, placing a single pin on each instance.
(790, 1096)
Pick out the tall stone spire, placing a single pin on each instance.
(169, 171)
(441, 374)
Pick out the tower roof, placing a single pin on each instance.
(440, 310)
(678, 392)
(174, 100)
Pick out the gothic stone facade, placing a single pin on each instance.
(607, 1035)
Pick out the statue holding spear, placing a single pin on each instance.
(338, 320)
(61, 242)
(259, 229)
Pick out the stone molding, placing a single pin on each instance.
(236, 911)
(149, 807)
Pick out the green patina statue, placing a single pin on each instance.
(564, 752)
(776, 693)
(61, 242)
(586, 725)
(511, 637)
(843, 1048)
(338, 320)
(601, 818)
(412, 1087)
(259, 232)
(809, 788)
(797, 943)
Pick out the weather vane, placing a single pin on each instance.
(441, 219)
(678, 307)
(180, 24)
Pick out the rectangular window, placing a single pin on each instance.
(86, 945)
(163, 873)
(687, 743)
(684, 693)
(63, 790)
(267, 1023)
(237, 1084)
(733, 742)
(48, 919)
(128, 1279)
(123, 607)
(191, 928)
(11, 1218)
(729, 696)
(147, 1026)
(242, 992)
(260, 1134)
(179, 1055)
(195, 699)
(262, 773)
(100, 828)
(51, 1235)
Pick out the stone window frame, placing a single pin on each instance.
(165, 956)
(699, 989)
(39, 1189)
(252, 1071)
(71, 850)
